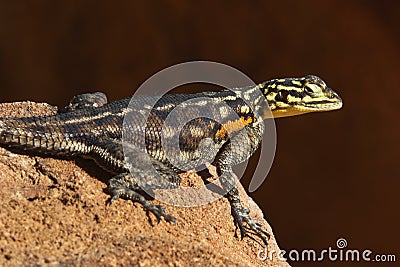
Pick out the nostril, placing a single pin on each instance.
(330, 93)
(334, 95)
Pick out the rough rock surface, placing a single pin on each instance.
(53, 212)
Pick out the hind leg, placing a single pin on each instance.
(89, 100)
(124, 186)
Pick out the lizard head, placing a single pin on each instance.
(294, 96)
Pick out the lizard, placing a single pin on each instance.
(92, 128)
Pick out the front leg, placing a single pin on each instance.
(238, 149)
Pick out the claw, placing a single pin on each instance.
(241, 216)
(114, 196)
(158, 210)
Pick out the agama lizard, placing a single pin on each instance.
(91, 127)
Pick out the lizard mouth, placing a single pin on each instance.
(325, 105)
(314, 106)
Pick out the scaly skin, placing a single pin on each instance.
(90, 127)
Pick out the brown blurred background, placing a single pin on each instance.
(335, 174)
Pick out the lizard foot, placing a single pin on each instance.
(157, 210)
(247, 226)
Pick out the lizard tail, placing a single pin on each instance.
(14, 132)
(6, 135)
(36, 134)
(2, 129)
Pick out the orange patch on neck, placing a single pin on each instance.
(233, 126)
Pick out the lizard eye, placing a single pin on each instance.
(308, 90)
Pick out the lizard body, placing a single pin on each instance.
(91, 127)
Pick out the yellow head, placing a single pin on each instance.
(294, 96)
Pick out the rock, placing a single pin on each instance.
(54, 212)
